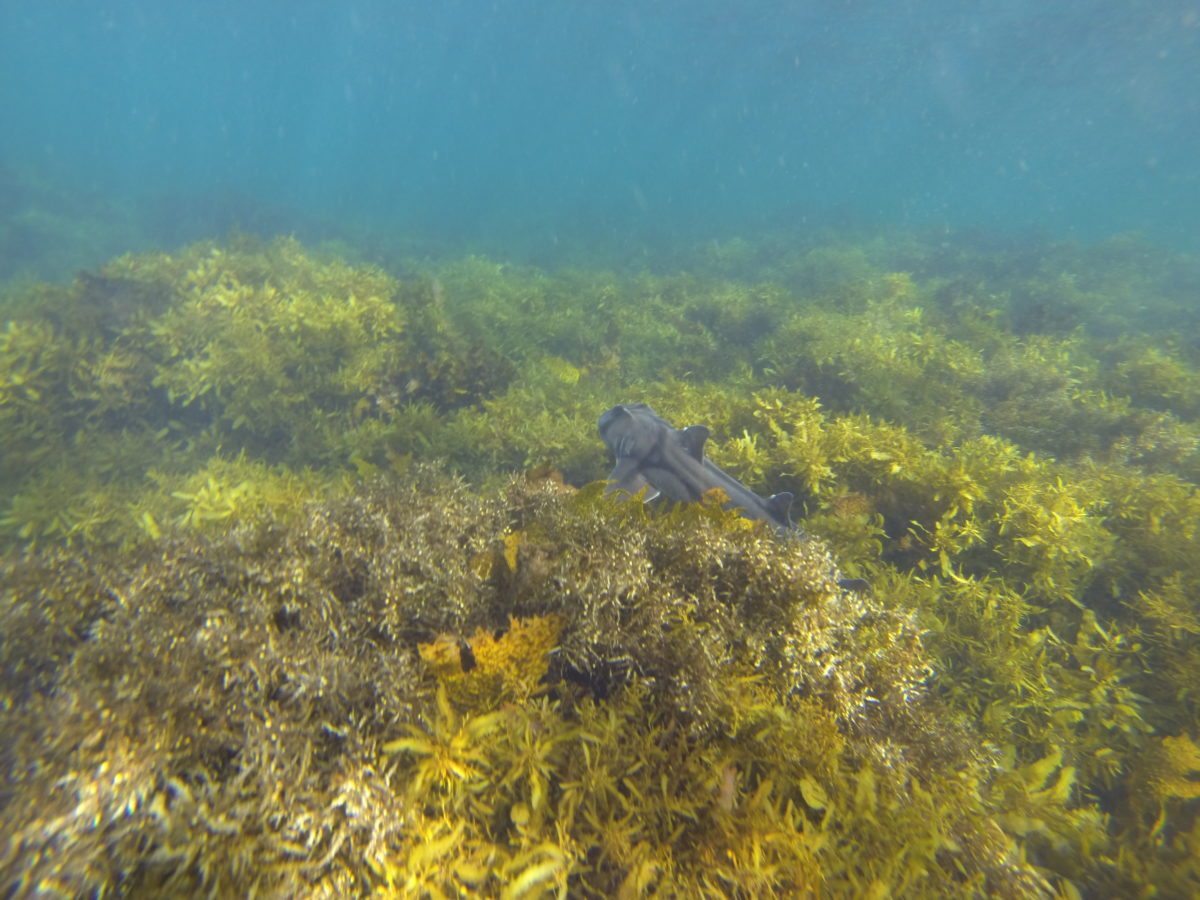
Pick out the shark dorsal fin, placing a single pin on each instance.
(780, 506)
(693, 438)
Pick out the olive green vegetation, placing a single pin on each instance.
(281, 614)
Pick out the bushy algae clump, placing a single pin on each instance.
(255, 642)
(427, 690)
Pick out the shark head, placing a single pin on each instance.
(631, 431)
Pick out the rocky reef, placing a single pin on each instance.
(309, 586)
(424, 689)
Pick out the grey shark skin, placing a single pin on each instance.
(669, 462)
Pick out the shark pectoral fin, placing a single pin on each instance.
(693, 438)
(648, 491)
(628, 479)
(638, 486)
(780, 506)
(623, 473)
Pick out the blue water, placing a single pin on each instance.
(524, 124)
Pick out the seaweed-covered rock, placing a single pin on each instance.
(191, 431)
(678, 703)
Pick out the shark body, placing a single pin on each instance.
(659, 460)
(656, 460)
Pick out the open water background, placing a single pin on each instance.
(525, 125)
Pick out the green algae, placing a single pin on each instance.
(225, 551)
